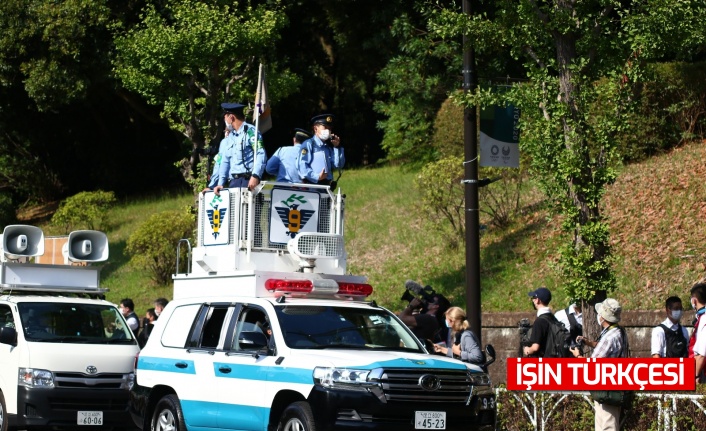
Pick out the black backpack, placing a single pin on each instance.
(557, 345)
(575, 328)
(677, 345)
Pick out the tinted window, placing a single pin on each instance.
(342, 327)
(64, 322)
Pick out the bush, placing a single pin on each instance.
(85, 210)
(7, 211)
(153, 245)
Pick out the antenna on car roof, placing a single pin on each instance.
(280, 300)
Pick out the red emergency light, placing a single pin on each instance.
(304, 287)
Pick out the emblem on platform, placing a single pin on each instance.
(292, 216)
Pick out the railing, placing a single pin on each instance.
(539, 409)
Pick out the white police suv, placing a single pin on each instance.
(258, 338)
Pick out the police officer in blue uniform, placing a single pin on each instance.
(239, 166)
(283, 162)
(322, 153)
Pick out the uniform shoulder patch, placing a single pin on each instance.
(303, 151)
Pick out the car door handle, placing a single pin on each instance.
(225, 370)
(181, 365)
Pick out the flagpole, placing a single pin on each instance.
(258, 100)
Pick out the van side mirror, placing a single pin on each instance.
(8, 336)
(489, 354)
(252, 340)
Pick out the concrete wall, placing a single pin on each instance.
(501, 330)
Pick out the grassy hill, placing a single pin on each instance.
(657, 212)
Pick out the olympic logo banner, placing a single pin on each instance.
(590, 374)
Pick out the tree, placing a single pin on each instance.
(190, 56)
(582, 59)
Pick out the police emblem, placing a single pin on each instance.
(292, 217)
(303, 151)
(215, 217)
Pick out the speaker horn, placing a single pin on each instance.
(87, 246)
(21, 240)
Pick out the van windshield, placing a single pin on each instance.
(73, 323)
(307, 327)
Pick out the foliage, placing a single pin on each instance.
(53, 46)
(7, 210)
(153, 244)
(411, 89)
(190, 56)
(576, 54)
(85, 210)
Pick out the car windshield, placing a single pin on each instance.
(307, 327)
(73, 323)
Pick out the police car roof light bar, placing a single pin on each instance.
(289, 286)
(355, 289)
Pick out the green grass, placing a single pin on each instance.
(657, 212)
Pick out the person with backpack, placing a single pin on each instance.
(669, 338)
(572, 319)
(611, 343)
(548, 337)
(697, 342)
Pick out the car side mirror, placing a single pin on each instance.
(489, 354)
(8, 335)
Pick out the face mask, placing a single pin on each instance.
(230, 127)
(598, 318)
(676, 314)
(324, 134)
(693, 303)
(448, 325)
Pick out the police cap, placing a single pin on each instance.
(325, 119)
(301, 135)
(232, 108)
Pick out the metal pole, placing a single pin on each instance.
(470, 140)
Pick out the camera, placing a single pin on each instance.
(576, 345)
(415, 290)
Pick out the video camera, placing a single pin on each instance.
(415, 290)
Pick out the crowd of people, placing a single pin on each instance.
(142, 329)
(669, 339)
(241, 160)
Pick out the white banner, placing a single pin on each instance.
(216, 229)
(291, 212)
(497, 153)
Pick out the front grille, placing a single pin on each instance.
(98, 381)
(403, 385)
(66, 403)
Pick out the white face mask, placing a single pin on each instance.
(598, 318)
(676, 314)
(324, 134)
(229, 126)
(448, 325)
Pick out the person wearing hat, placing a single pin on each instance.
(322, 153)
(240, 165)
(540, 328)
(611, 343)
(283, 162)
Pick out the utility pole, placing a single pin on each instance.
(470, 140)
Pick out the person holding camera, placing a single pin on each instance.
(425, 316)
(321, 153)
(464, 343)
(147, 325)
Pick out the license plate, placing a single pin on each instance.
(89, 418)
(430, 420)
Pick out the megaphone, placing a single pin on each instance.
(87, 246)
(22, 241)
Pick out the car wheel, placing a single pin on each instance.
(4, 419)
(167, 415)
(297, 417)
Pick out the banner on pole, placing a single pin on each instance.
(500, 137)
(262, 103)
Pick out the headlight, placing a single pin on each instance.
(480, 379)
(342, 378)
(128, 381)
(32, 378)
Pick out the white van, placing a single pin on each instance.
(268, 332)
(66, 355)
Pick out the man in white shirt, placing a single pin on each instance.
(674, 310)
(697, 342)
